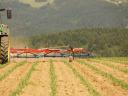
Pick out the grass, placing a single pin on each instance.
(115, 80)
(24, 81)
(53, 79)
(9, 71)
(116, 67)
(113, 66)
(3, 65)
(85, 82)
(121, 60)
(124, 62)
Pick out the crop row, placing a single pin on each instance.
(115, 80)
(84, 80)
(53, 79)
(9, 71)
(121, 60)
(24, 81)
(110, 65)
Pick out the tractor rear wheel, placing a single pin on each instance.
(4, 50)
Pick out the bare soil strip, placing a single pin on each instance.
(67, 83)
(112, 71)
(9, 84)
(39, 84)
(103, 86)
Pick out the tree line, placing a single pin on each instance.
(102, 41)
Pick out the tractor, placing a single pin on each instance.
(4, 38)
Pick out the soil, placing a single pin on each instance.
(67, 83)
(39, 84)
(11, 82)
(102, 84)
(114, 72)
(9, 65)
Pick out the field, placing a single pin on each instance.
(58, 77)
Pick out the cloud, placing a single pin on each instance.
(35, 4)
(117, 2)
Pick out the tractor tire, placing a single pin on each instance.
(4, 50)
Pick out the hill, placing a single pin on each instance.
(31, 17)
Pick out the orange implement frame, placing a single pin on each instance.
(46, 51)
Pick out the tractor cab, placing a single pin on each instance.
(4, 29)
